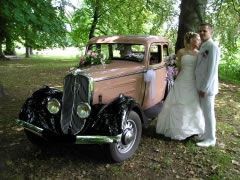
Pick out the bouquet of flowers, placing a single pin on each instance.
(172, 71)
(92, 58)
(170, 62)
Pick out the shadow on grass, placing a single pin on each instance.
(74, 153)
(150, 132)
(15, 148)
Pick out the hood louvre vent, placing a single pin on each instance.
(76, 90)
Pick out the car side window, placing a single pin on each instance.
(128, 52)
(155, 54)
(165, 51)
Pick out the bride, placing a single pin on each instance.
(181, 116)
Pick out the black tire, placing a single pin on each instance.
(120, 152)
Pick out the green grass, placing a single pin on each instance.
(156, 158)
(24, 75)
(220, 163)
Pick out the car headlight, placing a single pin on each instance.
(53, 106)
(83, 110)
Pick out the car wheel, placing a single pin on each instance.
(132, 132)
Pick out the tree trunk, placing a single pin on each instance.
(10, 48)
(95, 20)
(1, 51)
(2, 55)
(27, 54)
(31, 50)
(191, 15)
(2, 36)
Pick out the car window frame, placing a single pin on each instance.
(161, 54)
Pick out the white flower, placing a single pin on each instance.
(170, 60)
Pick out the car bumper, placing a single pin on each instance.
(88, 139)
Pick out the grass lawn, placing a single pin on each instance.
(155, 158)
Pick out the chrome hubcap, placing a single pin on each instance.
(129, 136)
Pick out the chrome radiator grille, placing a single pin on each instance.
(76, 90)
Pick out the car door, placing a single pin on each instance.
(155, 87)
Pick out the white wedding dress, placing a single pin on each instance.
(181, 116)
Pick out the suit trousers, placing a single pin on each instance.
(207, 105)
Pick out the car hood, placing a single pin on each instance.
(113, 70)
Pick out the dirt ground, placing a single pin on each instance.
(156, 157)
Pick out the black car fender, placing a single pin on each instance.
(34, 110)
(109, 119)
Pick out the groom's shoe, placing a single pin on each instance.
(198, 138)
(206, 143)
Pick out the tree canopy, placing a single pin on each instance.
(40, 24)
(35, 24)
(99, 17)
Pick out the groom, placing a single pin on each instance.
(207, 82)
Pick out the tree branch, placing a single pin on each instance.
(234, 7)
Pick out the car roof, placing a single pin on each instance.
(130, 39)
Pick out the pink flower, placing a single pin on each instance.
(93, 54)
(171, 72)
(89, 52)
(91, 58)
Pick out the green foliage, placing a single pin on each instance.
(81, 26)
(159, 13)
(230, 70)
(120, 17)
(36, 24)
(225, 15)
(46, 28)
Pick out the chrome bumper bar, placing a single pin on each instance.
(34, 129)
(97, 139)
(90, 139)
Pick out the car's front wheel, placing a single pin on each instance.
(132, 132)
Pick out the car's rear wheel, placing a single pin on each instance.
(132, 132)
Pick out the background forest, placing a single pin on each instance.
(62, 23)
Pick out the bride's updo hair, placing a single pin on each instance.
(189, 35)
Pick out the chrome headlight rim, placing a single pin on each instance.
(53, 105)
(83, 110)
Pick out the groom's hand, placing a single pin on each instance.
(201, 94)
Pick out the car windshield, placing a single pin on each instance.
(119, 51)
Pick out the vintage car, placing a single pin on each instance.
(103, 103)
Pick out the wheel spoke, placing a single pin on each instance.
(131, 134)
(129, 125)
